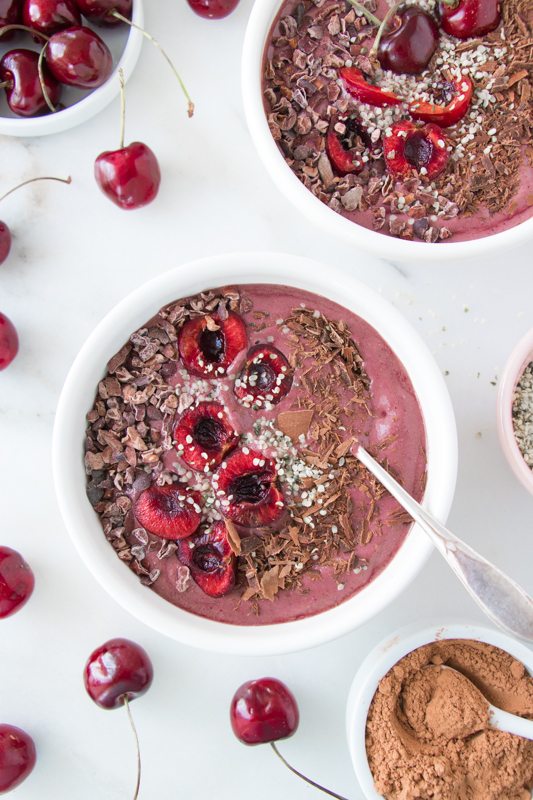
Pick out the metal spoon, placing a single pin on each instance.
(502, 600)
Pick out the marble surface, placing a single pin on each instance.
(74, 256)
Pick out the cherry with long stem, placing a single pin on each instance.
(40, 68)
(304, 777)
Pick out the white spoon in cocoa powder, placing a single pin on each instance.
(458, 709)
(502, 600)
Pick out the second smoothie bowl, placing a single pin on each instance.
(213, 453)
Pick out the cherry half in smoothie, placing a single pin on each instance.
(203, 436)
(247, 490)
(265, 379)
(209, 345)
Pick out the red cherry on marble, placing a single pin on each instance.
(469, 18)
(16, 582)
(9, 342)
(5, 242)
(49, 16)
(410, 41)
(130, 176)
(101, 11)
(213, 9)
(17, 757)
(117, 672)
(262, 711)
(19, 73)
(78, 57)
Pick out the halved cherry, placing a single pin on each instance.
(410, 147)
(171, 512)
(246, 489)
(457, 94)
(265, 378)
(210, 559)
(204, 435)
(344, 156)
(356, 84)
(209, 345)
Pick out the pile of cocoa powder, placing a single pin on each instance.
(428, 735)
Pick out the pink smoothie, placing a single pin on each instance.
(489, 148)
(388, 421)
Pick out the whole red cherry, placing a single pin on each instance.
(116, 671)
(5, 242)
(49, 16)
(17, 757)
(213, 9)
(262, 711)
(130, 176)
(410, 42)
(16, 582)
(101, 11)
(469, 18)
(9, 342)
(24, 93)
(77, 56)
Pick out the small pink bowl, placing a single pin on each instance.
(517, 362)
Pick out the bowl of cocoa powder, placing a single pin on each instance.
(410, 731)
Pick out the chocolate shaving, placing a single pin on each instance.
(233, 537)
(295, 423)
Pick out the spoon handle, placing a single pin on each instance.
(503, 600)
(511, 723)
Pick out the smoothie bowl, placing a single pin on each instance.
(425, 143)
(213, 454)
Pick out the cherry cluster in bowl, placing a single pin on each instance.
(72, 54)
(405, 43)
(244, 479)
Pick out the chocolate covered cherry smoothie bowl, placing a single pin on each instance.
(217, 462)
(417, 130)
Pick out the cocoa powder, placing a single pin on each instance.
(428, 734)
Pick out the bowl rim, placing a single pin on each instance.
(385, 655)
(261, 18)
(520, 356)
(110, 334)
(92, 103)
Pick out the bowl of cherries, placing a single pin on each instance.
(59, 59)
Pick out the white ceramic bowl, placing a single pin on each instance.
(78, 394)
(520, 357)
(261, 19)
(125, 44)
(380, 660)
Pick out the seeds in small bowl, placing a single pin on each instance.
(523, 414)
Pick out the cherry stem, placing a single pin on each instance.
(7, 28)
(40, 70)
(303, 777)
(368, 14)
(33, 180)
(137, 748)
(190, 104)
(122, 107)
(382, 28)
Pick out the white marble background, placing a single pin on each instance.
(74, 256)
